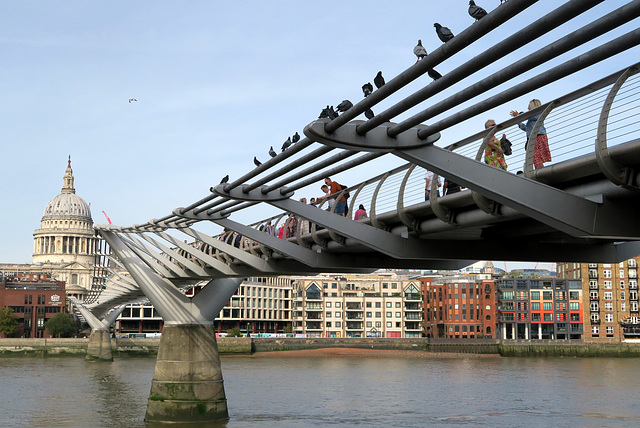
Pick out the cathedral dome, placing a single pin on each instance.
(67, 205)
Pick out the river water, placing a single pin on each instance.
(337, 392)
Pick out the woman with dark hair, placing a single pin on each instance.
(361, 213)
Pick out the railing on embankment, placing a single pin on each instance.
(242, 345)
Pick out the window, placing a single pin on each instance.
(378, 304)
(608, 317)
(609, 329)
(398, 314)
(535, 295)
(328, 324)
(389, 304)
(606, 273)
(378, 324)
(389, 314)
(608, 295)
(547, 306)
(595, 307)
(338, 324)
(548, 317)
(368, 314)
(595, 329)
(608, 306)
(535, 317)
(394, 285)
(389, 324)
(368, 304)
(328, 304)
(328, 314)
(608, 285)
(547, 295)
(369, 324)
(574, 295)
(385, 285)
(621, 273)
(378, 314)
(338, 314)
(622, 295)
(338, 304)
(623, 306)
(574, 306)
(398, 304)
(622, 284)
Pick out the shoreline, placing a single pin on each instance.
(359, 353)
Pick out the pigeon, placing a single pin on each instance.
(256, 161)
(344, 106)
(324, 113)
(420, 51)
(295, 138)
(433, 74)
(132, 100)
(476, 11)
(369, 113)
(225, 179)
(443, 33)
(367, 88)
(272, 152)
(379, 80)
(286, 144)
(332, 113)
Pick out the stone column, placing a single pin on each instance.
(99, 346)
(187, 382)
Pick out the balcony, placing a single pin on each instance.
(354, 326)
(412, 306)
(413, 316)
(314, 316)
(352, 316)
(353, 306)
(412, 326)
(314, 326)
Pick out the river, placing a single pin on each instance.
(322, 392)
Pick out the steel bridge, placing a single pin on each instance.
(581, 207)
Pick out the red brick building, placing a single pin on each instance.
(34, 298)
(460, 307)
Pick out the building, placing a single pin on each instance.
(357, 305)
(459, 306)
(63, 246)
(610, 299)
(34, 298)
(542, 308)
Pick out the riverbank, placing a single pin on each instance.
(334, 347)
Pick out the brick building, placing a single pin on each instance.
(460, 306)
(610, 299)
(34, 298)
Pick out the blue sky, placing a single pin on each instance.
(216, 82)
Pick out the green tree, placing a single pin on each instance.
(62, 325)
(234, 332)
(8, 322)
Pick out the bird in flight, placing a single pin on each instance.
(443, 33)
(132, 100)
(476, 11)
(419, 51)
(379, 80)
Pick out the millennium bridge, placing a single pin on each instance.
(583, 206)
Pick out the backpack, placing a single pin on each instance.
(505, 144)
(347, 194)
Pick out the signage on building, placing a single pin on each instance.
(55, 300)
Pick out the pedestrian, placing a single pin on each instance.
(341, 204)
(327, 192)
(493, 153)
(450, 187)
(541, 153)
(361, 213)
(428, 177)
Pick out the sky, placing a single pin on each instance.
(216, 83)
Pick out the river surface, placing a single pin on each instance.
(337, 392)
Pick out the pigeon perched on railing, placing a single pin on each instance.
(369, 113)
(272, 152)
(367, 89)
(476, 11)
(379, 80)
(225, 179)
(286, 144)
(344, 106)
(419, 51)
(443, 33)
(434, 74)
(256, 162)
(295, 138)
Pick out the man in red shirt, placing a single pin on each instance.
(341, 204)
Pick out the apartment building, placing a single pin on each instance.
(540, 308)
(610, 299)
(459, 306)
(373, 305)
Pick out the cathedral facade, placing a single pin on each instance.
(64, 245)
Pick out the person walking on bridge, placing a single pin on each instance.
(493, 153)
(541, 153)
(341, 204)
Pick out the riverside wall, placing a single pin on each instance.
(148, 347)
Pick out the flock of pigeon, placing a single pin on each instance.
(444, 34)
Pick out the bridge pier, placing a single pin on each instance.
(187, 382)
(99, 347)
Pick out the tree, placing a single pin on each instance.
(8, 322)
(62, 325)
(234, 332)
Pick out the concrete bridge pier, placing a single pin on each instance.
(187, 383)
(99, 347)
